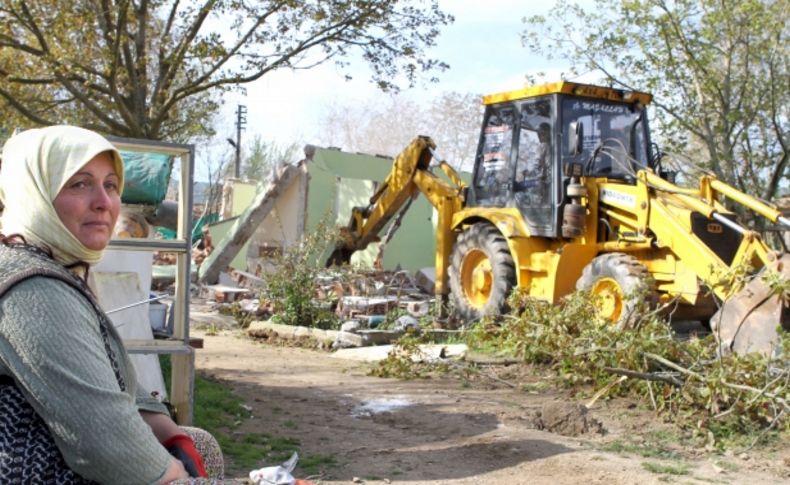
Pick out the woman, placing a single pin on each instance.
(70, 407)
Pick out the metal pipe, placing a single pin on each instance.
(624, 246)
(132, 305)
(750, 202)
(783, 220)
(728, 223)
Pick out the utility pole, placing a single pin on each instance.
(241, 123)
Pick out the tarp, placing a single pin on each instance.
(147, 175)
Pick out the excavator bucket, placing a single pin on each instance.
(748, 321)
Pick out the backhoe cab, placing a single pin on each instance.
(529, 135)
(566, 195)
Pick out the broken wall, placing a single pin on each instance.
(340, 181)
(335, 182)
(282, 227)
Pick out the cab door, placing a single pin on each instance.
(535, 173)
(493, 175)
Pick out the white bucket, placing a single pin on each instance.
(156, 314)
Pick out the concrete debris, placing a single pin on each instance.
(379, 337)
(350, 306)
(247, 223)
(427, 353)
(372, 284)
(223, 294)
(247, 280)
(417, 308)
(345, 340)
(266, 328)
(352, 326)
(426, 280)
(406, 323)
(365, 303)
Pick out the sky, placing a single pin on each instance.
(483, 48)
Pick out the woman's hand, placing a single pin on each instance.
(175, 471)
(176, 442)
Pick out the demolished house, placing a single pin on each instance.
(328, 184)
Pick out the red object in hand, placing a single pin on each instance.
(182, 448)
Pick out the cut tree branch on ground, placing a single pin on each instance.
(648, 376)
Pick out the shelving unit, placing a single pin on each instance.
(178, 346)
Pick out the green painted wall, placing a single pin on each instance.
(340, 181)
(219, 230)
(243, 194)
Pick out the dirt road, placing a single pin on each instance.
(449, 431)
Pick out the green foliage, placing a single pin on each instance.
(400, 362)
(731, 280)
(717, 399)
(242, 317)
(718, 70)
(291, 285)
(158, 70)
(778, 284)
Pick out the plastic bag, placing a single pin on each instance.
(276, 475)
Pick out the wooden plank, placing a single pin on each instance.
(182, 389)
(137, 346)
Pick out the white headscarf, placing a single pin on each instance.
(35, 166)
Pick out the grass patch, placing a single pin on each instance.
(255, 450)
(726, 465)
(665, 468)
(315, 464)
(220, 412)
(215, 407)
(647, 450)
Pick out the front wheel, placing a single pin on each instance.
(621, 287)
(482, 272)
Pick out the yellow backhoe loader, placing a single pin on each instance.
(567, 193)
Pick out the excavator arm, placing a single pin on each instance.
(750, 313)
(410, 176)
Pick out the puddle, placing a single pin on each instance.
(377, 406)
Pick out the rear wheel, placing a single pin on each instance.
(621, 287)
(482, 272)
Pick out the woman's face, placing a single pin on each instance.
(89, 202)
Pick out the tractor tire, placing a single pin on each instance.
(482, 273)
(621, 286)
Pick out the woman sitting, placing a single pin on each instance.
(71, 410)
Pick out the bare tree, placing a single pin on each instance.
(385, 128)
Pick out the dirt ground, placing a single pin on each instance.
(450, 431)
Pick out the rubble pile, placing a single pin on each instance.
(372, 307)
